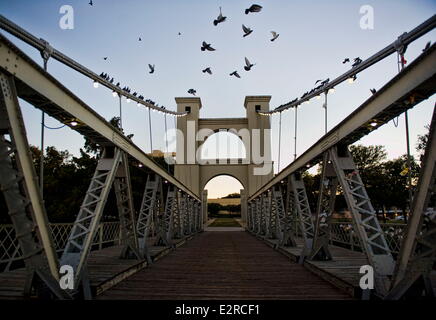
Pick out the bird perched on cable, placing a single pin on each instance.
(112, 80)
(373, 91)
(253, 8)
(192, 91)
(118, 84)
(206, 46)
(235, 73)
(357, 61)
(248, 65)
(208, 70)
(346, 60)
(325, 81)
(246, 30)
(317, 81)
(151, 68)
(275, 35)
(427, 46)
(220, 19)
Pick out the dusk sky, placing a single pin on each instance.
(315, 36)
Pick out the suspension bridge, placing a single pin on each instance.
(164, 249)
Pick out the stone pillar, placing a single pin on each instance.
(260, 123)
(186, 169)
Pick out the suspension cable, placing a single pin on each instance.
(280, 140)
(325, 111)
(121, 115)
(295, 134)
(150, 134)
(166, 141)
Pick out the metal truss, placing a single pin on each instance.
(258, 212)
(291, 214)
(126, 211)
(189, 213)
(283, 228)
(249, 216)
(325, 207)
(418, 250)
(262, 222)
(304, 214)
(266, 214)
(183, 214)
(18, 182)
(177, 220)
(85, 227)
(147, 213)
(165, 232)
(364, 217)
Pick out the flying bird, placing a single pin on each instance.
(246, 30)
(90, 2)
(253, 8)
(105, 58)
(248, 65)
(207, 70)
(192, 91)
(139, 39)
(275, 35)
(235, 73)
(151, 68)
(206, 46)
(346, 60)
(373, 91)
(179, 34)
(219, 19)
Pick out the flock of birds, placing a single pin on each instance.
(255, 8)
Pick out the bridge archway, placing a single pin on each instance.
(254, 132)
(221, 186)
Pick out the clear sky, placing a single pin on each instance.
(315, 36)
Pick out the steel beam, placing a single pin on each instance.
(85, 227)
(365, 220)
(418, 249)
(18, 181)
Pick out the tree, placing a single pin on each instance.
(214, 208)
(422, 143)
(232, 196)
(367, 157)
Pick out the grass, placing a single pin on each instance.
(225, 222)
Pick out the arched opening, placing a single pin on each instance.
(223, 145)
(224, 201)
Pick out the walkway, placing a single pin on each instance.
(224, 265)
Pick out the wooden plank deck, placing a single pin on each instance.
(104, 267)
(342, 271)
(224, 265)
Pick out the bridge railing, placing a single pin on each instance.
(342, 234)
(108, 234)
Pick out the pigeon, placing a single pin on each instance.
(248, 65)
(105, 58)
(275, 35)
(325, 81)
(192, 91)
(90, 2)
(206, 46)
(317, 81)
(427, 46)
(151, 68)
(139, 39)
(207, 70)
(253, 8)
(118, 84)
(246, 30)
(179, 34)
(235, 73)
(373, 91)
(112, 80)
(219, 19)
(357, 61)
(346, 60)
